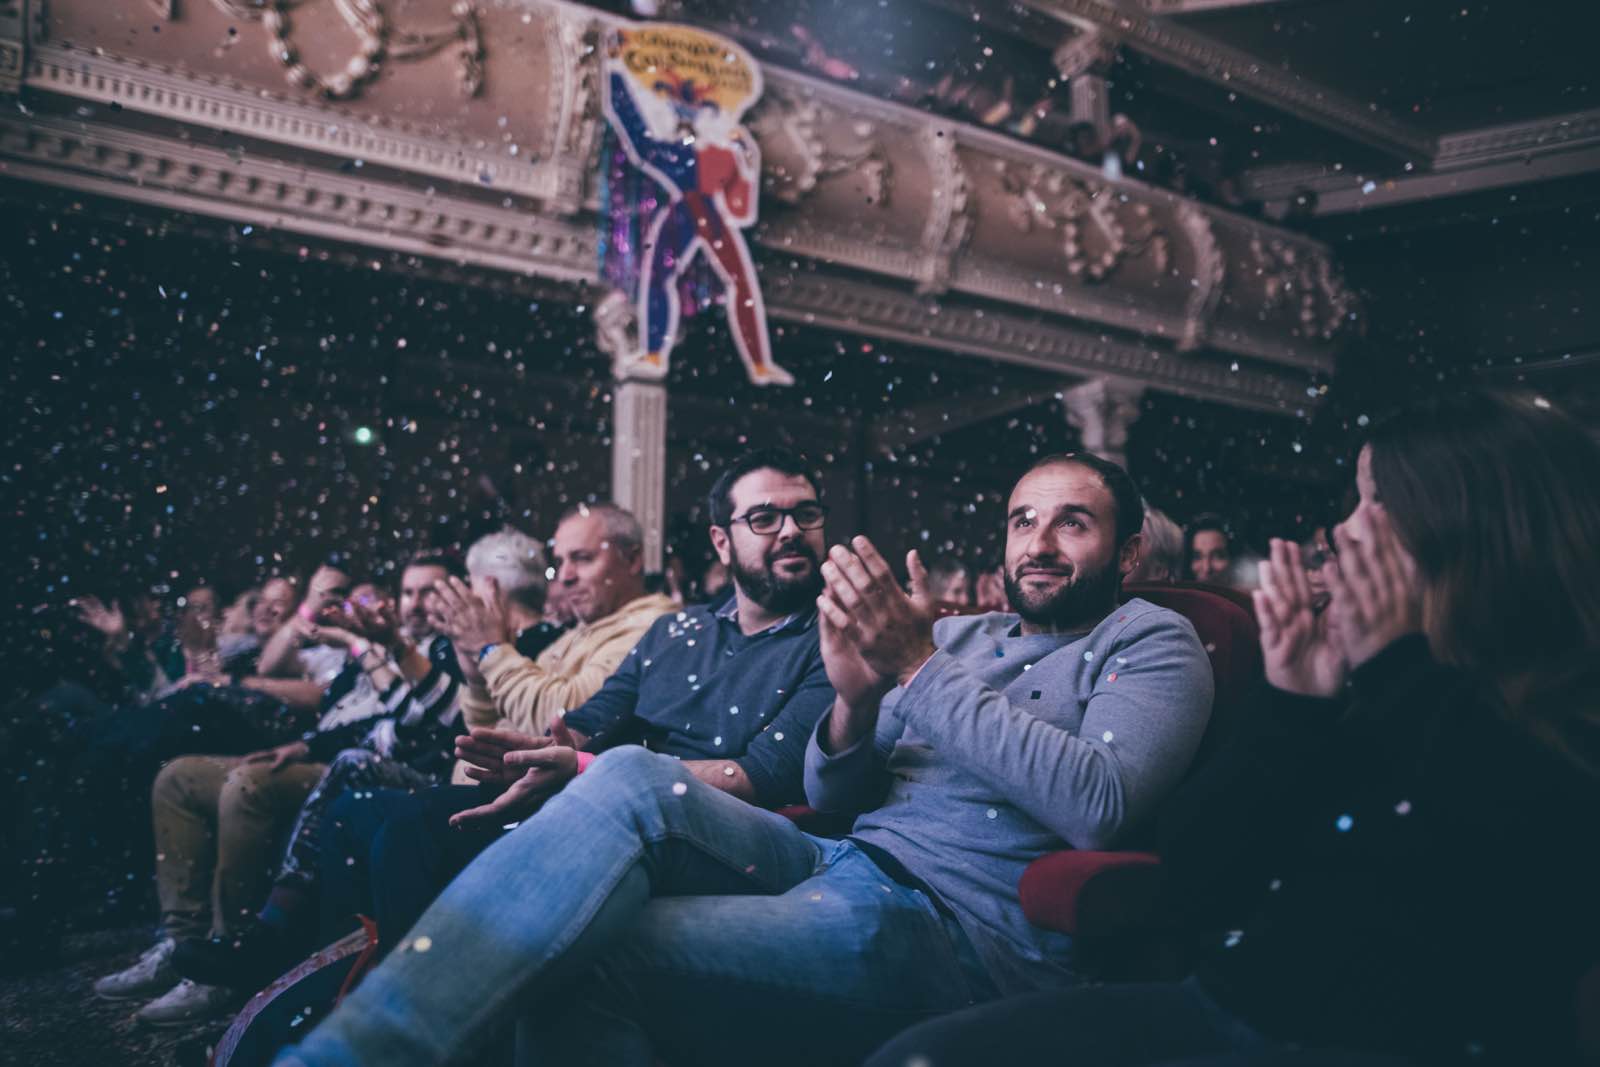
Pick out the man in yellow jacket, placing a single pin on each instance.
(599, 560)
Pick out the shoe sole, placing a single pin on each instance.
(179, 1024)
(140, 994)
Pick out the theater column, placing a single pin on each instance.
(1084, 61)
(639, 459)
(1102, 410)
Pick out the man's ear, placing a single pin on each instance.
(1128, 559)
(723, 545)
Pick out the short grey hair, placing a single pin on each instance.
(622, 530)
(1161, 549)
(515, 561)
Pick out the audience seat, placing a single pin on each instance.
(1106, 895)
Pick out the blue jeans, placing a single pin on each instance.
(681, 916)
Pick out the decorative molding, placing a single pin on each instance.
(949, 215)
(574, 108)
(377, 40)
(885, 312)
(1238, 70)
(1189, 7)
(13, 45)
(1305, 279)
(211, 181)
(236, 109)
(1518, 142)
(784, 114)
(1045, 198)
(1210, 271)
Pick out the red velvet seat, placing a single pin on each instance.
(1098, 894)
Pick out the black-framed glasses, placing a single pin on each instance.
(770, 520)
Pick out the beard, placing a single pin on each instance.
(1087, 597)
(778, 593)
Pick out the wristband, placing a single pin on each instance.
(359, 648)
(483, 653)
(307, 612)
(584, 759)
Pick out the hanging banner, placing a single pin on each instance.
(673, 96)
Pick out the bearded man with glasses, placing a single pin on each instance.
(732, 694)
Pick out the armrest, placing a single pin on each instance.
(816, 822)
(1091, 893)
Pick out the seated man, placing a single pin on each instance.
(646, 915)
(217, 819)
(405, 743)
(733, 692)
(511, 684)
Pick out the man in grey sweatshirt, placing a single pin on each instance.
(666, 920)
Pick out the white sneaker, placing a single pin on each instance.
(149, 976)
(186, 1003)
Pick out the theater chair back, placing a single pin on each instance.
(1107, 894)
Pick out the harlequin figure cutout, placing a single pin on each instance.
(709, 168)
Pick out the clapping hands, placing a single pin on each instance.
(1376, 598)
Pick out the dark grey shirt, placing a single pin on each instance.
(1006, 747)
(696, 687)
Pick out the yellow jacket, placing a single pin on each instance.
(529, 695)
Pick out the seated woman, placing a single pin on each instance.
(1398, 862)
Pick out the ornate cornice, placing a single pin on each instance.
(13, 44)
(247, 189)
(84, 75)
(881, 311)
(1519, 141)
(949, 217)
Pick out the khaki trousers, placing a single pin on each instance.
(219, 825)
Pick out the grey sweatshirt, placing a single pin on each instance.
(1006, 747)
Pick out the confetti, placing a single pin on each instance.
(422, 943)
(678, 788)
(1344, 823)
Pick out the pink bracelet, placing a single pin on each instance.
(584, 759)
(308, 613)
(359, 648)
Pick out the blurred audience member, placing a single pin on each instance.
(1208, 548)
(1160, 549)
(950, 581)
(990, 590)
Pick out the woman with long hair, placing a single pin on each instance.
(1394, 861)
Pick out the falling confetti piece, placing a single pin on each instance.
(1344, 823)
(678, 788)
(991, 814)
(1106, 737)
(1403, 808)
(1233, 938)
(422, 944)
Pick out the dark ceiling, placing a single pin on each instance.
(1442, 65)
